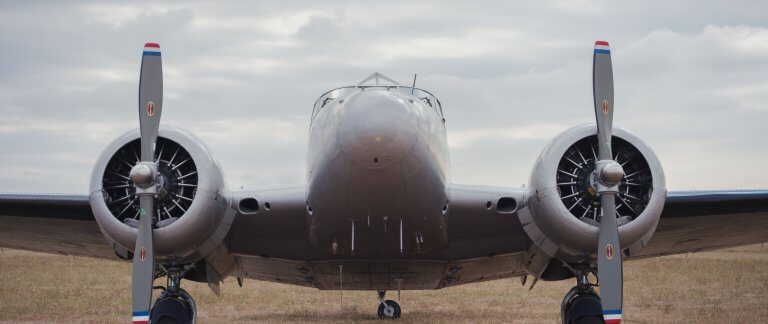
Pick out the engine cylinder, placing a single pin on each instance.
(190, 204)
(565, 207)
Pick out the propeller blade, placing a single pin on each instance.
(143, 263)
(602, 86)
(609, 174)
(609, 262)
(150, 99)
(143, 176)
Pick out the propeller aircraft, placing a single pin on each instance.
(378, 211)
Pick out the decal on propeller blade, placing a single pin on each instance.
(143, 254)
(609, 251)
(150, 108)
(605, 106)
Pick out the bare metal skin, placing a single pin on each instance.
(380, 159)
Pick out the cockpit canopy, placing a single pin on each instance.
(429, 99)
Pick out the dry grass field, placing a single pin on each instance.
(727, 286)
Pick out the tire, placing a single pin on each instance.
(170, 310)
(589, 319)
(396, 313)
(585, 309)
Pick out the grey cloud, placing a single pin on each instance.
(690, 80)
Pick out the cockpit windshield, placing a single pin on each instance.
(429, 99)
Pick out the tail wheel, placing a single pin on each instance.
(391, 310)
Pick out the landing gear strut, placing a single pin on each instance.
(388, 308)
(582, 304)
(174, 305)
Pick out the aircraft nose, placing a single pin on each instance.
(377, 128)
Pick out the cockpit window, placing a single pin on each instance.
(421, 94)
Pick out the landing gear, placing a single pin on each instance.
(174, 305)
(388, 308)
(582, 304)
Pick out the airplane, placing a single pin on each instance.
(379, 211)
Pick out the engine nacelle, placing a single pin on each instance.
(191, 204)
(564, 217)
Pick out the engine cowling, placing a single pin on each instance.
(564, 206)
(191, 204)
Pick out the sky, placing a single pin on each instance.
(691, 79)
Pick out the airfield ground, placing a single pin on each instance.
(726, 286)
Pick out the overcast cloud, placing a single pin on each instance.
(691, 80)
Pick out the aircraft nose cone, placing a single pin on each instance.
(377, 128)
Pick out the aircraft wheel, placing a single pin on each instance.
(585, 309)
(179, 309)
(590, 320)
(391, 311)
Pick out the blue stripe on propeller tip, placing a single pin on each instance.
(146, 53)
(611, 312)
(140, 313)
(597, 51)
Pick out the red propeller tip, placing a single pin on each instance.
(151, 45)
(601, 43)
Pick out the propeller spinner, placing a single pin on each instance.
(143, 176)
(608, 175)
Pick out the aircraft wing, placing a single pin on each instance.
(695, 221)
(691, 221)
(51, 223)
(64, 223)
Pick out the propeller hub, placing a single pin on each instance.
(612, 173)
(142, 175)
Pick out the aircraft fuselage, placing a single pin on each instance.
(377, 169)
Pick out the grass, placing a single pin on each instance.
(720, 286)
